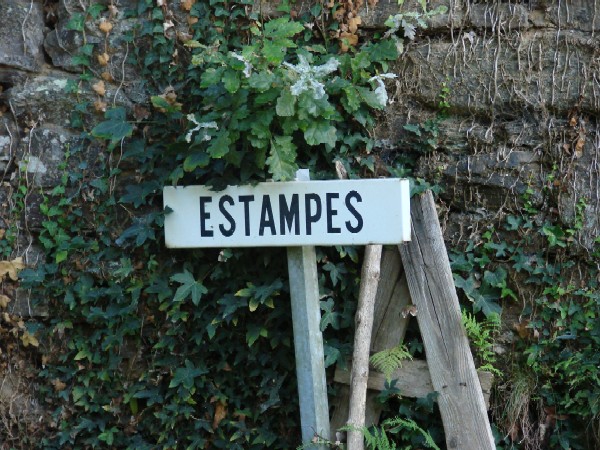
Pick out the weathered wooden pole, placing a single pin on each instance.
(308, 339)
(453, 374)
(362, 344)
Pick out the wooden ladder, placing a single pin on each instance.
(416, 278)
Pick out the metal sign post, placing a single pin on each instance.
(308, 339)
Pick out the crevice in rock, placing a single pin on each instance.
(51, 13)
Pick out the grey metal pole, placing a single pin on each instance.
(308, 340)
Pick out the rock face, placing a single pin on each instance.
(521, 81)
(21, 35)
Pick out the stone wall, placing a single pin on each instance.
(524, 96)
(524, 83)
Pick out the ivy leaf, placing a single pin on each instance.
(196, 159)
(484, 296)
(189, 287)
(254, 332)
(329, 316)
(496, 278)
(332, 355)
(336, 272)
(282, 158)
(185, 376)
(320, 133)
(112, 130)
(76, 23)
(137, 194)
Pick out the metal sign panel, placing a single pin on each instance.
(336, 212)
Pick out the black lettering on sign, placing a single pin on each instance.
(246, 199)
(331, 212)
(359, 220)
(226, 232)
(266, 217)
(204, 216)
(310, 217)
(289, 214)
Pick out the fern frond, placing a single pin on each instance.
(387, 361)
(410, 425)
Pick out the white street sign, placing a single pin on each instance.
(284, 214)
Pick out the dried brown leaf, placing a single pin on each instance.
(105, 26)
(29, 339)
(140, 112)
(103, 59)
(186, 5)
(58, 385)
(353, 24)
(220, 414)
(106, 76)
(579, 146)
(99, 88)
(11, 268)
(4, 301)
(100, 106)
(112, 9)
(347, 40)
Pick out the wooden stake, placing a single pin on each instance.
(451, 366)
(362, 343)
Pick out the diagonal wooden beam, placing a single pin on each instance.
(451, 365)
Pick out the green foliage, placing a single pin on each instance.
(377, 437)
(387, 361)
(273, 101)
(148, 348)
(560, 332)
(481, 336)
